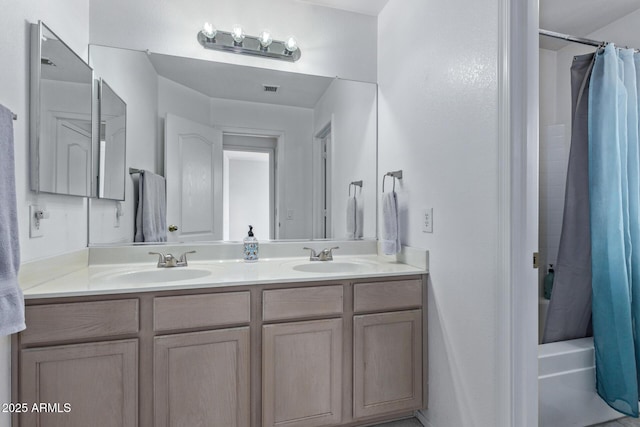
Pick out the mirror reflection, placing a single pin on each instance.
(112, 144)
(241, 145)
(61, 133)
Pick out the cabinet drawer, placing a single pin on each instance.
(80, 320)
(394, 295)
(196, 311)
(301, 302)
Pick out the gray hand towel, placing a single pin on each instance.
(390, 237)
(359, 217)
(11, 299)
(351, 217)
(151, 214)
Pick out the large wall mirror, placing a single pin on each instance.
(61, 122)
(240, 145)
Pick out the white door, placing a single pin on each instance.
(193, 170)
(73, 162)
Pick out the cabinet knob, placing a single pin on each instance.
(173, 228)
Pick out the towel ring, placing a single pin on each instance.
(394, 175)
(355, 183)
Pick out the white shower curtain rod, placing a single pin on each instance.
(570, 38)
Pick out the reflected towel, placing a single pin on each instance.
(11, 299)
(151, 214)
(359, 218)
(352, 207)
(390, 237)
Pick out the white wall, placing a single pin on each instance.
(131, 75)
(438, 118)
(65, 230)
(553, 163)
(353, 149)
(333, 42)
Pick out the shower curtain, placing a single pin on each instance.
(615, 230)
(598, 265)
(569, 312)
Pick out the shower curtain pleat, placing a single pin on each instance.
(611, 237)
(569, 312)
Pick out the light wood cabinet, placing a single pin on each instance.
(201, 379)
(387, 357)
(318, 354)
(98, 381)
(302, 374)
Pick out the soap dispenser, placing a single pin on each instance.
(548, 282)
(250, 247)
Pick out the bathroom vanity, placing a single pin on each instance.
(267, 344)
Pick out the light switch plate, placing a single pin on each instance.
(427, 220)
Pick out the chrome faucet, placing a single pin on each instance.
(324, 255)
(168, 260)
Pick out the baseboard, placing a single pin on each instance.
(423, 420)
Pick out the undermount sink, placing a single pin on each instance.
(159, 275)
(332, 267)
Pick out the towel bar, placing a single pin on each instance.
(134, 170)
(395, 175)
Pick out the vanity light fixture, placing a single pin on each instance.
(237, 41)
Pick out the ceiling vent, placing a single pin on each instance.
(271, 88)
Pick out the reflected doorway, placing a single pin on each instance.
(248, 185)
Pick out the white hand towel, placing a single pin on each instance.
(151, 215)
(390, 237)
(351, 217)
(359, 217)
(11, 299)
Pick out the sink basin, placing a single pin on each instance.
(160, 275)
(332, 267)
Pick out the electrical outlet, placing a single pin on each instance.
(119, 212)
(35, 223)
(290, 214)
(427, 220)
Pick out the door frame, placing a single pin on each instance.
(272, 173)
(517, 317)
(317, 184)
(279, 167)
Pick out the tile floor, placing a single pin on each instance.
(411, 422)
(622, 422)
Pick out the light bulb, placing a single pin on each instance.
(265, 39)
(238, 34)
(209, 30)
(291, 44)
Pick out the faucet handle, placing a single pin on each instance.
(313, 252)
(327, 253)
(161, 258)
(183, 258)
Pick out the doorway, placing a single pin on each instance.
(249, 164)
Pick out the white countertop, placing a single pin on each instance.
(120, 278)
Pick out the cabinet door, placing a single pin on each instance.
(387, 372)
(201, 379)
(99, 381)
(302, 374)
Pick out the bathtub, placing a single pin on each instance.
(566, 386)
